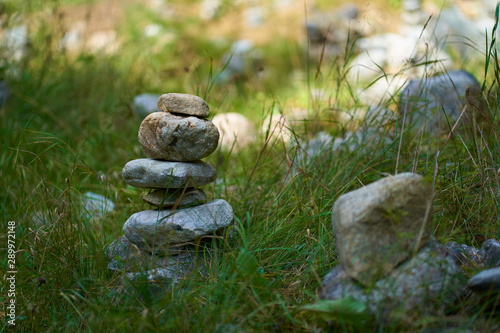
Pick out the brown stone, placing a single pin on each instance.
(162, 198)
(170, 137)
(184, 104)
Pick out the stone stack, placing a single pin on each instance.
(387, 256)
(161, 241)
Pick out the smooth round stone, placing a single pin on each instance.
(148, 173)
(184, 104)
(485, 281)
(170, 137)
(159, 228)
(167, 198)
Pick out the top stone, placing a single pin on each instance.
(184, 104)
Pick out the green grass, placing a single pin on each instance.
(68, 128)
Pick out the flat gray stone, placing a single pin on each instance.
(160, 228)
(490, 251)
(429, 277)
(184, 104)
(171, 137)
(126, 256)
(163, 198)
(486, 281)
(424, 100)
(381, 225)
(148, 173)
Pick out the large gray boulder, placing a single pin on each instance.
(429, 276)
(424, 101)
(379, 226)
(151, 229)
(148, 173)
(181, 138)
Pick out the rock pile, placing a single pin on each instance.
(387, 257)
(486, 259)
(160, 241)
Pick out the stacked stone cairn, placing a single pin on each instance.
(387, 256)
(161, 242)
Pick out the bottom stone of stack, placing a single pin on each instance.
(128, 257)
(153, 230)
(139, 265)
(179, 197)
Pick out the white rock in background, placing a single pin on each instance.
(145, 104)
(409, 53)
(96, 205)
(102, 41)
(382, 90)
(236, 60)
(254, 16)
(71, 40)
(15, 41)
(209, 9)
(457, 31)
(152, 30)
(159, 228)
(366, 66)
(277, 127)
(282, 4)
(236, 131)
